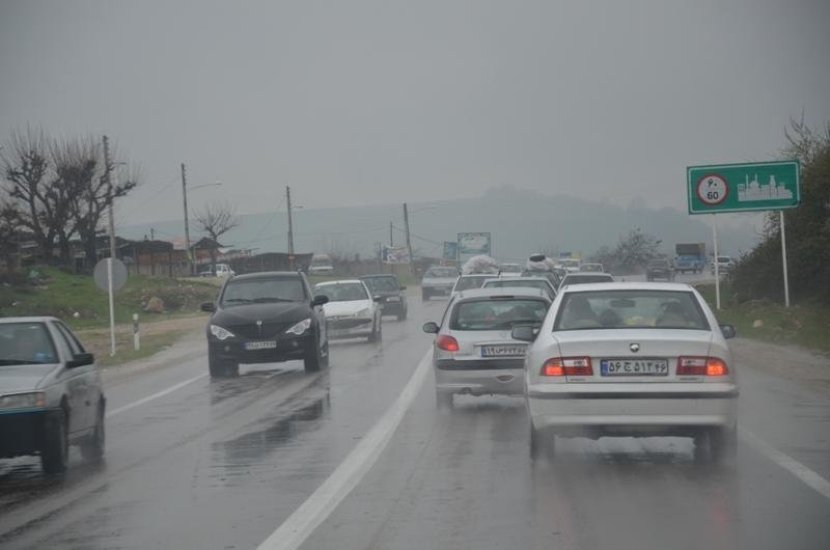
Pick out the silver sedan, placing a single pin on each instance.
(631, 359)
(474, 352)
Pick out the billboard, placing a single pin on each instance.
(473, 244)
(450, 250)
(753, 187)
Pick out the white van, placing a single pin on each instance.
(320, 264)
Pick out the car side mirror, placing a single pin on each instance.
(524, 333)
(728, 331)
(431, 328)
(80, 360)
(209, 307)
(319, 300)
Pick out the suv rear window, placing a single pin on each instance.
(382, 283)
(441, 272)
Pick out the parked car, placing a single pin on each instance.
(659, 268)
(390, 291)
(542, 283)
(351, 311)
(321, 264)
(631, 359)
(438, 281)
(473, 351)
(585, 278)
(468, 282)
(264, 318)
(725, 265)
(222, 270)
(51, 395)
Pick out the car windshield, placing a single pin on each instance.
(616, 309)
(382, 283)
(25, 343)
(497, 314)
(256, 290)
(441, 272)
(342, 292)
(467, 283)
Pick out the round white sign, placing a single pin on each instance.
(712, 189)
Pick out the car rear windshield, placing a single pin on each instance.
(497, 314)
(261, 290)
(382, 283)
(343, 292)
(630, 309)
(466, 283)
(507, 283)
(583, 279)
(441, 272)
(658, 263)
(25, 343)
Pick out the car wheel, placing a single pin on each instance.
(377, 331)
(92, 449)
(54, 456)
(443, 400)
(424, 295)
(313, 356)
(402, 315)
(219, 367)
(723, 445)
(542, 445)
(324, 356)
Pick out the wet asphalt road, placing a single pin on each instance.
(223, 464)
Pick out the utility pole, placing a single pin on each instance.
(391, 240)
(290, 229)
(186, 223)
(408, 240)
(108, 175)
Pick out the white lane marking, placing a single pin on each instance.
(317, 507)
(799, 470)
(156, 395)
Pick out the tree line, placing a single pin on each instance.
(54, 191)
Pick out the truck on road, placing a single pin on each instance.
(690, 257)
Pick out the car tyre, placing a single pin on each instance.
(54, 456)
(425, 295)
(92, 449)
(542, 445)
(443, 400)
(402, 315)
(313, 359)
(377, 331)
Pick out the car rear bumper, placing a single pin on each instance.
(438, 289)
(349, 328)
(490, 378)
(664, 409)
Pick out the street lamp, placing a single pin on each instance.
(186, 220)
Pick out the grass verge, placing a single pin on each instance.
(806, 325)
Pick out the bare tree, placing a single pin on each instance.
(216, 219)
(9, 233)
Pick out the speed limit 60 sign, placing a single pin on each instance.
(743, 187)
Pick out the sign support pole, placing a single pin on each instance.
(784, 260)
(112, 305)
(717, 271)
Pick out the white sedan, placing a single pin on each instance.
(351, 311)
(631, 359)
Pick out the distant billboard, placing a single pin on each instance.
(450, 250)
(395, 255)
(473, 244)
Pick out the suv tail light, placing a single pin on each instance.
(701, 366)
(567, 366)
(447, 343)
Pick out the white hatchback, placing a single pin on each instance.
(631, 359)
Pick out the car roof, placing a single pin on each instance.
(339, 281)
(31, 319)
(584, 274)
(379, 275)
(266, 275)
(627, 285)
(488, 275)
(515, 279)
(492, 292)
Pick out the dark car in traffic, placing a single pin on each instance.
(659, 269)
(264, 318)
(391, 298)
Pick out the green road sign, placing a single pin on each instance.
(743, 187)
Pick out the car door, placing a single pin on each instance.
(83, 382)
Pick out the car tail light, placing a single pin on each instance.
(447, 343)
(567, 366)
(701, 366)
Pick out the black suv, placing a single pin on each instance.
(264, 318)
(389, 290)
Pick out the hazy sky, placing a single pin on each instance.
(383, 101)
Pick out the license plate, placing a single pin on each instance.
(509, 350)
(261, 344)
(634, 367)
